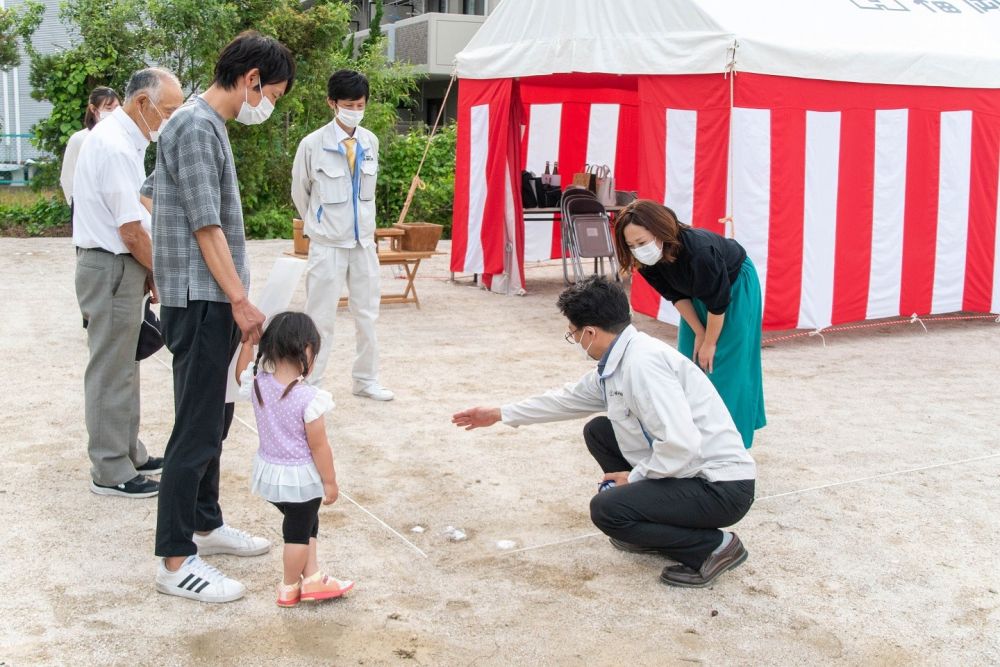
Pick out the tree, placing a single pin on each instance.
(374, 40)
(111, 45)
(17, 24)
(118, 37)
(185, 36)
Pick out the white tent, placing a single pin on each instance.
(907, 42)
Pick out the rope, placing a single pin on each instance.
(913, 319)
(730, 230)
(417, 182)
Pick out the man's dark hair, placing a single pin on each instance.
(251, 49)
(596, 302)
(346, 84)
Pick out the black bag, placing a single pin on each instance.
(552, 196)
(150, 336)
(530, 188)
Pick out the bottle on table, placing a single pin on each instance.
(555, 179)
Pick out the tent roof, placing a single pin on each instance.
(914, 42)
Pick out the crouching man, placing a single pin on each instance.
(679, 467)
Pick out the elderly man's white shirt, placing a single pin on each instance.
(109, 172)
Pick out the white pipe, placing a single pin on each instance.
(17, 113)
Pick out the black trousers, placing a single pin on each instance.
(680, 516)
(301, 521)
(203, 338)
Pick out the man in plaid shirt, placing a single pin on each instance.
(200, 268)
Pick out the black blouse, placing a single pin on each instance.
(706, 267)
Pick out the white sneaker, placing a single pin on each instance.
(198, 580)
(228, 540)
(375, 391)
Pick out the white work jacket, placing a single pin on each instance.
(337, 206)
(668, 418)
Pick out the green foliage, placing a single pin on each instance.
(118, 37)
(264, 152)
(184, 36)
(17, 24)
(271, 223)
(398, 164)
(46, 176)
(374, 40)
(113, 39)
(45, 214)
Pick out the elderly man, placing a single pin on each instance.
(675, 469)
(111, 232)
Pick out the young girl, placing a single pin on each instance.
(293, 468)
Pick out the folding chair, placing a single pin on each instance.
(587, 230)
(569, 194)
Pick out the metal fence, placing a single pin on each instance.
(14, 169)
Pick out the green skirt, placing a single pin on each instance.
(736, 369)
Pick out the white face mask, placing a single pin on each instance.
(585, 351)
(350, 117)
(249, 115)
(648, 254)
(102, 114)
(154, 134)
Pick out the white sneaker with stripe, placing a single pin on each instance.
(228, 540)
(197, 580)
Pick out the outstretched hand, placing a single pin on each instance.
(476, 418)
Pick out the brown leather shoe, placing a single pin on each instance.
(681, 575)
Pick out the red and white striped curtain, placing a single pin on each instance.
(577, 120)
(487, 226)
(854, 201)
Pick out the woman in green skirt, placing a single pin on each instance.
(714, 286)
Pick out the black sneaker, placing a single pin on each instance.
(137, 487)
(152, 466)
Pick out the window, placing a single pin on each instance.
(477, 7)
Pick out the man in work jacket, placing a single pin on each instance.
(333, 187)
(668, 443)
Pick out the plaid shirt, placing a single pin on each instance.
(193, 186)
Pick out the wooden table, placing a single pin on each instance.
(393, 256)
(410, 261)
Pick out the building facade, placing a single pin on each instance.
(19, 112)
(426, 34)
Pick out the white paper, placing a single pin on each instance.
(275, 297)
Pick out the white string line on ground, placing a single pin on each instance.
(596, 534)
(343, 493)
(776, 495)
(551, 544)
(879, 476)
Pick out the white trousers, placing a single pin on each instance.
(328, 271)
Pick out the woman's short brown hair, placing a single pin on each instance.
(658, 220)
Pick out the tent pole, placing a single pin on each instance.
(730, 229)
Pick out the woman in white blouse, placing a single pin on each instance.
(102, 102)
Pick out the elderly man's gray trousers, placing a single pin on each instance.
(110, 289)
